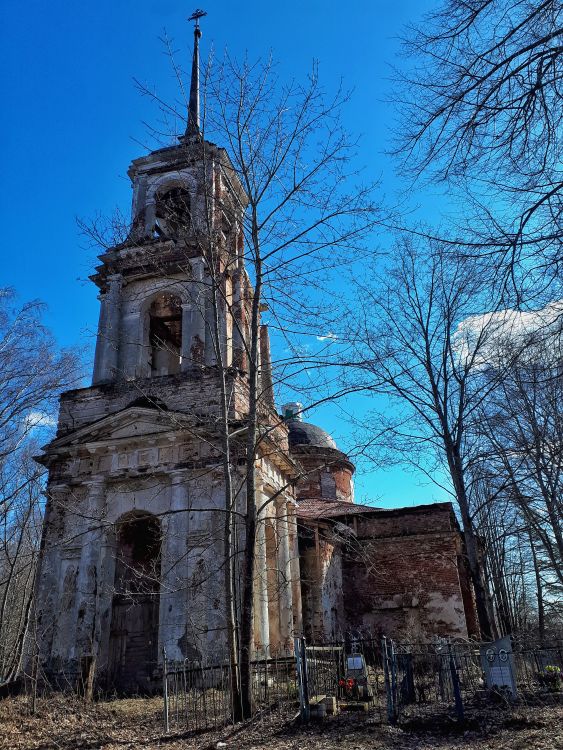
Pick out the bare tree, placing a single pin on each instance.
(293, 158)
(483, 109)
(416, 345)
(32, 374)
(521, 426)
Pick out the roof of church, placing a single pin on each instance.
(318, 508)
(322, 508)
(305, 433)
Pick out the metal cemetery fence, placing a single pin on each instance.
(431, 678)
(199, 695)
(377, 679)
(398, 680)
(333, 687)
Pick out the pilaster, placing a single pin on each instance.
(105, 360)
(175, 567)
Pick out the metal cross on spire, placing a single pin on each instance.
(192, 129)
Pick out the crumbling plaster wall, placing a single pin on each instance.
(195, 393)
(399, 573)
(78, 566)
(175, 476)
(321, 584)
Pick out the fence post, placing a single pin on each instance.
(456, 686)
(302, 678)
(391, 713)
(394, 691)
(165, 689)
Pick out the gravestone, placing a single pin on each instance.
(497, 661)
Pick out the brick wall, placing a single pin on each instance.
(194, 393)
(327, 474)
(401, 575)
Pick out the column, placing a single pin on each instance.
(174, 568)
(100, 354)
(261, 618)
(187, 335)
(150, 217)
(284, 568)
(197, 343)
(48, 601)
(143, 369)
(104, 596)
(295, 567)
(266, 377)
(239, 322)
(130, 344)
(105, 360)
(210, 353)
(88, 573)
(139, 205)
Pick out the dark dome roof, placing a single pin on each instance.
(303, 433)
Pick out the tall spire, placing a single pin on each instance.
(192, 129)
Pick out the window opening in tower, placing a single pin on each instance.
(172, 215)
(165, 335)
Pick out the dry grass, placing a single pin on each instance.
(63, 723)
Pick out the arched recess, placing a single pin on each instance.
(148, 402)
(165, 334)
(173, 216)
(133, 640)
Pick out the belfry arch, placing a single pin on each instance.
(172, 212)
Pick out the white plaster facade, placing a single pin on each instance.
(132, 560)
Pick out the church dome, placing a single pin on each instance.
(304, 433)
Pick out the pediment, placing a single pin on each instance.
(137, 427)
(133, 422)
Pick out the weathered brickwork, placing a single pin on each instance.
(195, 392)
(403, 578)
(325, 473)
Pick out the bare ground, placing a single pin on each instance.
(61, 723)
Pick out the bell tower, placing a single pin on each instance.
(155, 288)
(133, 548)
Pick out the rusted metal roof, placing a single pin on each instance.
(318, 509)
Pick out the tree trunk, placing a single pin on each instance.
(229, 561)
(487, 624)
(539, 593)
(247, 614)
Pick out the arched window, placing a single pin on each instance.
(165, 335)
(172, 214)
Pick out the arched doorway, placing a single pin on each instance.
(165, 335)
(133, 646)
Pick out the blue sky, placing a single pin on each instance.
(72, 119)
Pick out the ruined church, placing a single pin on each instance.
(132, 562)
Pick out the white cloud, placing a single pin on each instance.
(36, 419)
(328, 337)
(494, 332)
